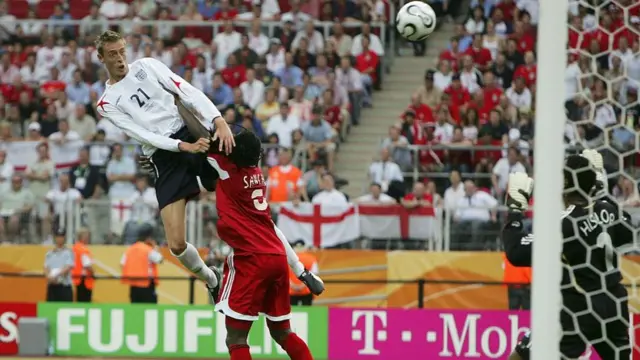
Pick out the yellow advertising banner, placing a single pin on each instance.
(354, 278)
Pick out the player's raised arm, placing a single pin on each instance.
(517, 243)
(135, 131)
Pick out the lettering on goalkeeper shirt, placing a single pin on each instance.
(594, 220)
(253, 181)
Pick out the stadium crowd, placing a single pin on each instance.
(299, 84)
(475, 114)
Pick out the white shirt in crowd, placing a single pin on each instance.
(477, 207)
(140, 106)
(605, 116)
(227, 44)
(6, 172)
(470, 80)
(375, 45)
(382, 199)
(315, 41)
(259, 43)
(121, 189)
(66, 72)
(330, 197)
(530, 6)
(144, 206)
(442, 81)
(8, 74)
(519, 100)
(61, 200)
(453, 195)
(69, 136)
(252, 93)
(275, 61)
(625, 56)
(202, 79)
(443, 132)
(502, 169)
(283, 128)
(474, 27)
(572, 76)
(112, 9)
(48, 57)
(384, 172)
(299, 19)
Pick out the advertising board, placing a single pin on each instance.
(10, 313)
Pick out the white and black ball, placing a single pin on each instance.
(416, 20)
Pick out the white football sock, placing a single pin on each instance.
(191, 259)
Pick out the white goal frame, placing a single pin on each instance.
(549, 152)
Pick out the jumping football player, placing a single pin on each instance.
(139, 99)
(595, 309)
(256, 273)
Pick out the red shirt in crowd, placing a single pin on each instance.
(18, 58)
(576, 40)
(508, 9)
(12, 93)
(602, 36)
(483, 111)
(452, 57)
(481, 57)
(425, 197)
(332, 115)
(492, 95)
(528, 72)
(367, 60)
(226, 14)
(234, 75)
(526, 42)
(459, 96)
(423, 113)
(189, 60)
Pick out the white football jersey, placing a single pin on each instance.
(140, 106)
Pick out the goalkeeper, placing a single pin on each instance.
(595, 309)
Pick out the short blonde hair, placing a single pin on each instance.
(107, 37)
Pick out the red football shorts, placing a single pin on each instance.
(255, 284)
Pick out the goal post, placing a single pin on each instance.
(549, 152)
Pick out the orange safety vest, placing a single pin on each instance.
(283, 184)
(308, 260)
(514, 274)
(137, 265)
(78, 271)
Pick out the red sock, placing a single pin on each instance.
(239, 352)
(296, 348)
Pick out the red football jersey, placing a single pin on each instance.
(245, 217)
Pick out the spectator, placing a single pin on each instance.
(443, 129)
(313, 179)
(343, 42)
(513, 56)
(476, 23)
(284, 182)
(48, 56)
(491, 41)
(502, 71)
(283, 125)
(501, 170)
(290, 74)
(319, 137)
(64, 31)
(350, 79)
(398, 146)
(329, 194)
(31, 74)
(454, 192)
(99, 150)
(375, 44)
(6, 171)
(120, 173)
(252, 90)
(286, 33)
(296, 16)
(442, 78)
(225, 11)
(270, 155)
(61, 199)
(66, 68)
(275, 57)
(16, 204)
(269, 107)
(33, 134)
(89, 31)
(282, 93)
(258, 41)
(302, 58)
(470, 77)
(64, 107)
(40, 175)
(519, 95)
(221, 94)
(87, 179)
(386, 172)
(114, 9)
(78, 91)
(299, 106)
(311, 91)
(375, 196)
(64, 135)
(144, 209)
(244, 55)
(418, 197)
(227, 42)
(474, 215)
(320, 72)
(367, 64)
(313, 38)
(8, 71)
(429, 94)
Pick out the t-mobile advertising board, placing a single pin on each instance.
(390, 334)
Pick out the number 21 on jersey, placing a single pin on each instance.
(137, 97)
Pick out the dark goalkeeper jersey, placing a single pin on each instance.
(593, 238)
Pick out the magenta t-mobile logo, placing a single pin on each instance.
(375, 323)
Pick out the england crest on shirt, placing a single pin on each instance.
(141, 75)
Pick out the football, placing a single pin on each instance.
(416, 21)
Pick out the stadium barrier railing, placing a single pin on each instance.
(420, 285)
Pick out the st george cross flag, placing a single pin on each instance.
(397, 222)
(319, 225)
(23, 153)
(120, 214)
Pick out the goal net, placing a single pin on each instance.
(595, 107)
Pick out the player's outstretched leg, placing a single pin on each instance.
(173, 217)
(237, 334)
(288, 340)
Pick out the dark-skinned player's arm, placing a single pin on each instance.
(194, 100)
(517, 243)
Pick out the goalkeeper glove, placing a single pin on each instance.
(595, 158)
(519, 191)
(312, 281)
